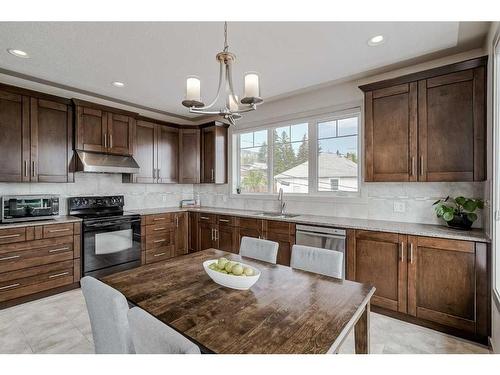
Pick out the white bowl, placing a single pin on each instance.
(232, 281)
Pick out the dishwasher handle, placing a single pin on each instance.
(339, 237)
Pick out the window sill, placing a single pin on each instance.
(301, 197)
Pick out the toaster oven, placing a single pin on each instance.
(17, 208)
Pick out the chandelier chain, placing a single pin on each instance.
(226, 47)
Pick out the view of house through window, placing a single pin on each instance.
(287, 157)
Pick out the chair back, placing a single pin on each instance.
(259, 249)
(314, 259)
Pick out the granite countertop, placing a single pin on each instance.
(58, 220)
(428, 230)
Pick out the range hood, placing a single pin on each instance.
(104, 163)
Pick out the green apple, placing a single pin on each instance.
(229, 266)
(221, 263)
(237, 269)
(248, 271)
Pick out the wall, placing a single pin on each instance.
(376, 200)
(136, 195)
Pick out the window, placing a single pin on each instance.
(310, 156)
(253, 162)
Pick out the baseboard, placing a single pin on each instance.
(39, 295)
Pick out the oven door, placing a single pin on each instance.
(111, 246)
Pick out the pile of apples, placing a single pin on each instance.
(232, 268)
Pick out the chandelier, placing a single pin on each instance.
(233, 107)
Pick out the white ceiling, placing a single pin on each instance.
(153, 59)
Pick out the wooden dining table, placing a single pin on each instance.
(285, 311)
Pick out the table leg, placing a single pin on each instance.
(362, 332)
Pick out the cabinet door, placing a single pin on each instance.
(208, 155)
(441, 281)
(120, 128)
(189, 156)
(226, 239)
(144, 152)
(380, 260)
(193, 232)
(391, 133)
(91, 129)
(452, 127)
(51, 141)
(181, 233)
(206, 236)
(167, 141)
(283, 233)
(14, 139)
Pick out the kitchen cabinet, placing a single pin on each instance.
(379, 258)
(51, 141)
(283, 233)
(193, 232)
(103, 129)
(181, 233)
(189, 156)
(37, 261)
(217, 231)
(447, 283)
(214, 153)
(249, 227)
(36, 140)
(408, 118)
(439, 283)
(156, 152)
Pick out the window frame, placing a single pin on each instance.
(312, 136)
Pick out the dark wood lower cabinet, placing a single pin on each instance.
(435, 282)
(284, 234)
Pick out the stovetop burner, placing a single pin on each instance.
(98, 207)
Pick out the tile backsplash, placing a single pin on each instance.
(376, 201)
(136, 195)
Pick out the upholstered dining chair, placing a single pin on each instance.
(151, 336)
(314, 259)
(107, 310)
(259, 249)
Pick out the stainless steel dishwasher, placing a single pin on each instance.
(325, 238)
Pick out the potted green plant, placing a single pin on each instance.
(458, 212)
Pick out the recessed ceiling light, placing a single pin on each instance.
(118, 84)
(376, 40)
(18, 53)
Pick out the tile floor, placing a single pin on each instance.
(60, 324)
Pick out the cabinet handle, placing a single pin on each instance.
(58, 275)
(224, 220)
(32, 168)
(203, 218)
(421, 165)
(177, 221)
(411, 253)
(9, 286)
(159, 255)
(401, 252)
(11, 257)
(60, 249)
(156, 229)
(412, 171)
(158, 218)
(58, 230)
(26, 168)
(9, 236)
(110, 140)
(158, 241)
(105, 140)
(213, 177)
(216, 231)
(212, 234)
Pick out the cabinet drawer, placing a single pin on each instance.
(35, 256)
(36, 279)
(159, 254)
(160, 239)
(225, 220)
(167, 218)
(57, 230)
(281, 227)
(10, 235)
(206, 218)
(154, 230)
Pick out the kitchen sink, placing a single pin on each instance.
(276, 214)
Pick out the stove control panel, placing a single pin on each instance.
(80, 203)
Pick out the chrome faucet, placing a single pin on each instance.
(282, 204)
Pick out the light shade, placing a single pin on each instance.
(193, 89)
(252, 87)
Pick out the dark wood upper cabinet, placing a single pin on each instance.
(36, 136)
(214, 154)
(427, 126)
(103, 129)
(14, 139)
(189, 156)
(167, 145)
(144, 153)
